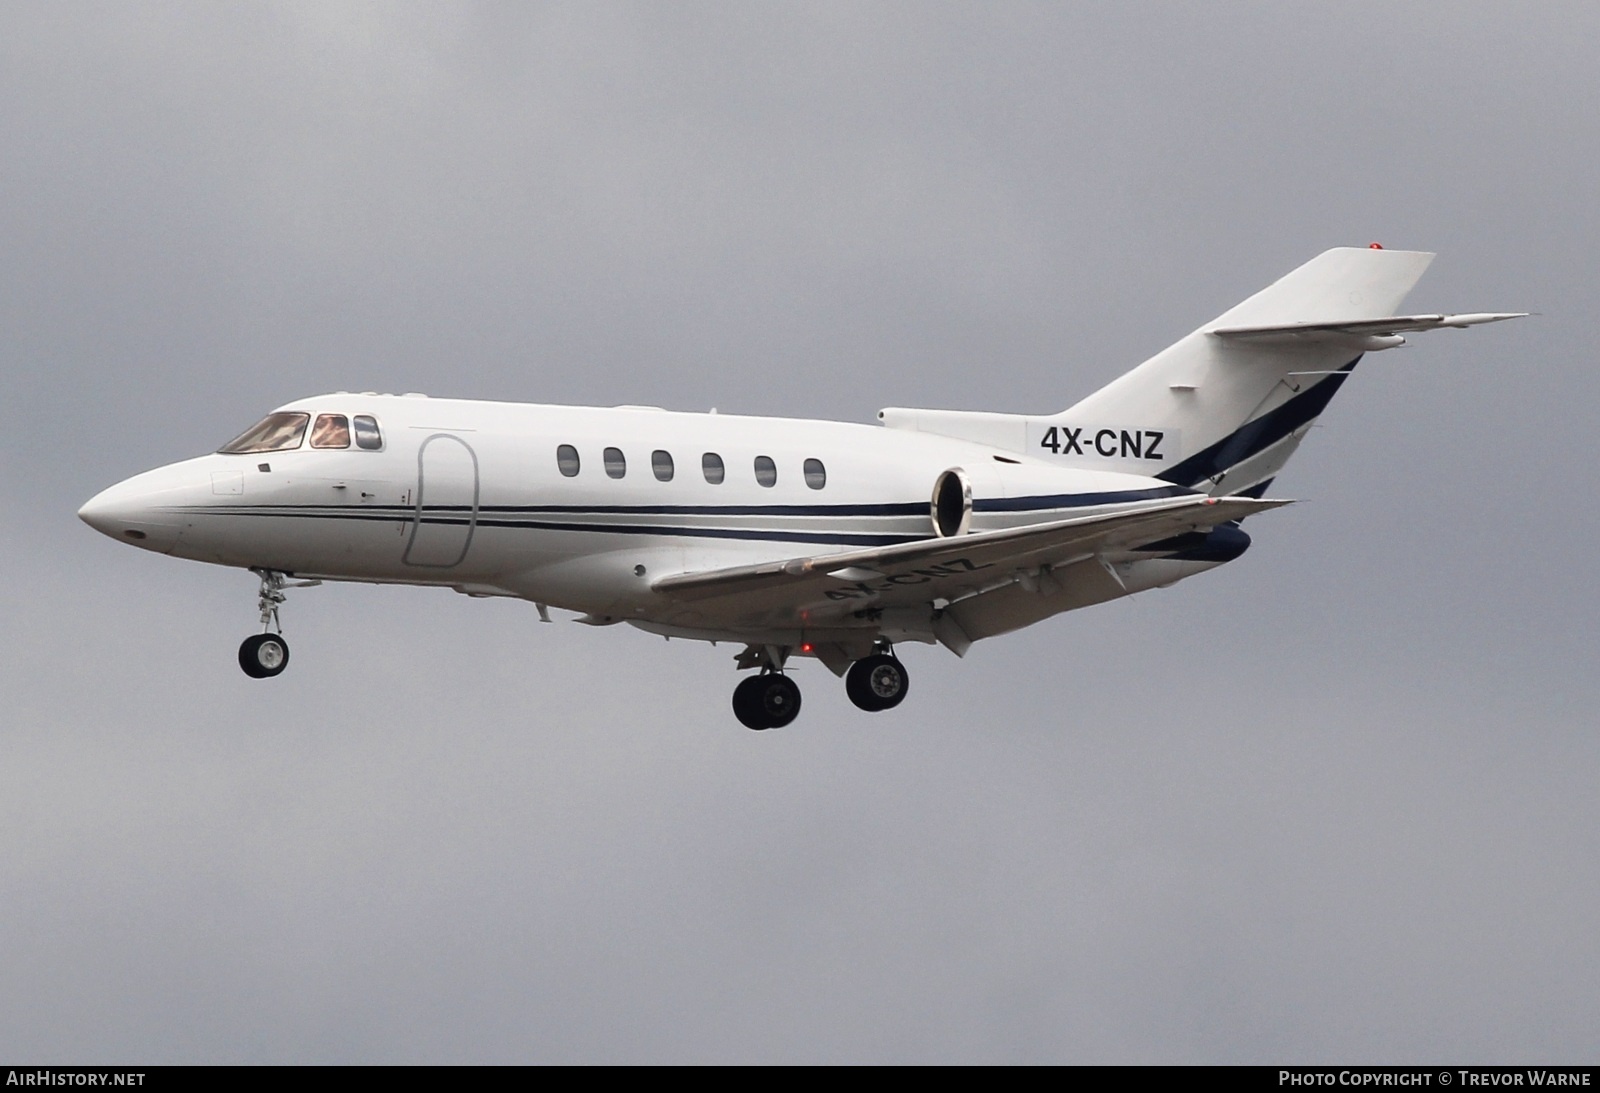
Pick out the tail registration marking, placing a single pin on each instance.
(1092, 442)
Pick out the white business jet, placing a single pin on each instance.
(791, 538)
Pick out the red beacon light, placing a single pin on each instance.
(1374, 246)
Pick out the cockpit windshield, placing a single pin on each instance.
(274, 433)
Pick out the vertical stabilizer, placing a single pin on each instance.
(1224, 414)
(1339, 285)
(1223, 409)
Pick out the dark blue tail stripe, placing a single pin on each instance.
(1257, 436)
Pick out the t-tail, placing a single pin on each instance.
(1223, 409)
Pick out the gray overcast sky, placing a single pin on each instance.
(1333, 802)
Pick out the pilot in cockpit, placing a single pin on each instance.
(331, 431)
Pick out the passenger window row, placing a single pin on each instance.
(711, 466)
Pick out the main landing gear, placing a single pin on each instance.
(767, 701)
(878, 682)
(771, 700)
(265, 655)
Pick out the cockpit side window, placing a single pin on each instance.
(331, 431)
(274, 433)
(367, 434)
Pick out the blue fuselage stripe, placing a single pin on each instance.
(527, 516)
(1076, 500)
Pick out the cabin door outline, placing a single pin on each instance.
(446, 514)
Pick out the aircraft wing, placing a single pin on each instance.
(951, 567)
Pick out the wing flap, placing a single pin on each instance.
(934, 568)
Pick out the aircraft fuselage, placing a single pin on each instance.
(478, 496)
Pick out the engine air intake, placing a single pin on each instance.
(952, 504)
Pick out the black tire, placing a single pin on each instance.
(878, 682)
(780, 700)
(747, 704)
(263, 656)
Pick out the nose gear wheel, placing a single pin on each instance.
(263, 656)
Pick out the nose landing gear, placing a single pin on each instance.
(265, 655)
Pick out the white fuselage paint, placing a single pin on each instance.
(468, 495)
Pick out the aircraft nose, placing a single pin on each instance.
(128, 513)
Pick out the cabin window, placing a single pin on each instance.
(616, 463)
(816, 474)
(711, 466)
(567, 460)
(661, 464)
(766, 471)
(273, 433)
(367, 434)
(331, 431)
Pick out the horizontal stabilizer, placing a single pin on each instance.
(942, 566)
(1360, 328)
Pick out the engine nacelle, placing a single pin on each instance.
(951, 505)
(1223, 543)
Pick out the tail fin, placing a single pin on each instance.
(1226, 412)
(1225, 408)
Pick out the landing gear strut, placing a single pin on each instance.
(877, 682)
(265, 655)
